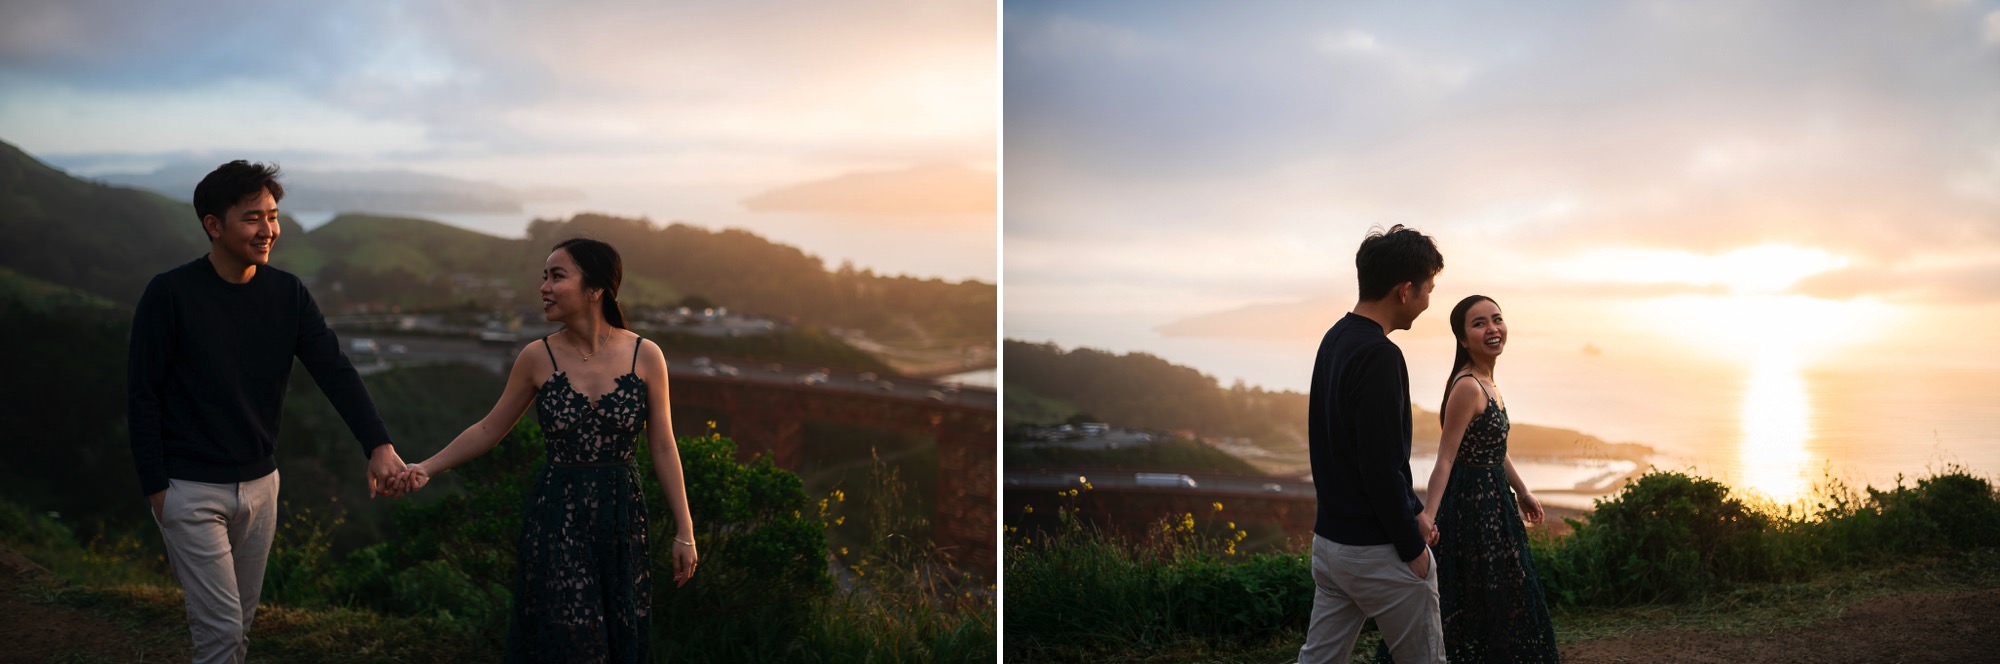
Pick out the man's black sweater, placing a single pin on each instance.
(205, 380)
(1359, 432)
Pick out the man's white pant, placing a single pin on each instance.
(218, 538)
(1356, 583)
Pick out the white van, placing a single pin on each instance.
(1164, 479)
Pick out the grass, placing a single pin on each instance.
(1762, 608)
(901, 604)
(1670, 552)
(1750, 611)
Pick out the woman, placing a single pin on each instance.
(582, 590)
(1488, 592)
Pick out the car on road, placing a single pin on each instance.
(1165, 480)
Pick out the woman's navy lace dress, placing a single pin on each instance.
(582, 591)
(1488, 592)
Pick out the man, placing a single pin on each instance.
(212, 348)
(1369, 558)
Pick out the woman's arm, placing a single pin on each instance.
(1463, 404)
(1530, 507)
(667, 459)
(483, 435)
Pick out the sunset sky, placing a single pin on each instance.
(676, 111)
(1180, 161)
(1768, 188)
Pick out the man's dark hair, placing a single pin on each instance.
(230, 183)
(1391, 257)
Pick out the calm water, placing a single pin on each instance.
(981, 378)
(1778, 425)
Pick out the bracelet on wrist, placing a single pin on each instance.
(678, 540)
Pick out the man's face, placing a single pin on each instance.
(1417, 300)
(248, 231)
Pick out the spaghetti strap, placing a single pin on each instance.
(552, 354)
(635, 355)
(1475, 381)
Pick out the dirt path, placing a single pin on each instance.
(34, 630)
(1961, 626)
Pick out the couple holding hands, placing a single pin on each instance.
(1449, 575)
(211, 352)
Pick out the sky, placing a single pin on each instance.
(856, 130)
(1181, 161)
(1712, 197)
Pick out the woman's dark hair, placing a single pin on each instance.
(230, 183)
(602, 268)
(1462, 357)
(1394, 256)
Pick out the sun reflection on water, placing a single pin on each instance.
(1775, 427)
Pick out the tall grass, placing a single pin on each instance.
(1075, 592)
(442, 589)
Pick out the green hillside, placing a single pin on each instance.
(20, 290)
(103, 240)
(108, 241)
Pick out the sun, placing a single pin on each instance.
(1760, 269)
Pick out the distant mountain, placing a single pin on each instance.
(355, 190)
(104, 240)
(108, 240)
(1143, 391)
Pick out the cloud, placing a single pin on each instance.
(922, 190)
(885, 79)
(1065, 36)
(1990, 28)
(1940, 280)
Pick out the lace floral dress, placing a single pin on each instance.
(1488, 592)
(582, 591)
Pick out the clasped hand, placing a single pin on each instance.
(413, 477)
(389, 476)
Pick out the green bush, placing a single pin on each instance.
(27, 530)
(1666, 537)
(297, 572)
(1078, 586)
(1952, 510)
(763, 551)
(439, 589)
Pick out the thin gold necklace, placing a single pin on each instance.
(600, 341)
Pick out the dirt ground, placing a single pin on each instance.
(34, 631)
(1961, 626)
(1911, 627)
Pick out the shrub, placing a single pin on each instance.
(1951, 510)
(1666, 537)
